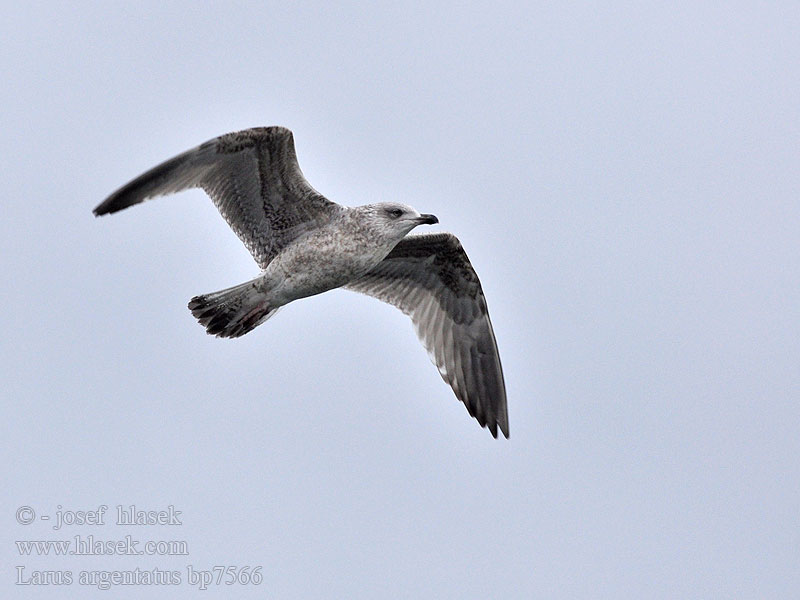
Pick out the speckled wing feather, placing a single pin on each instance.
(430, 278)
(254, 180)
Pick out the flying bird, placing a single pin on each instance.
(305, 245)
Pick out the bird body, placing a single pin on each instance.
(350, 245)
(306, 245)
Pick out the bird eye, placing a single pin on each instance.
(395, 213)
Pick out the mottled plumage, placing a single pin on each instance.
(306, 244)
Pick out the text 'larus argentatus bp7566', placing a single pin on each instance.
(305, 245)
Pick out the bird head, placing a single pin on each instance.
(395, 219)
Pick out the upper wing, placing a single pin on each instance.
(254, 180)
(430, 278)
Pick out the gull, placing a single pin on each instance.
(305, 244)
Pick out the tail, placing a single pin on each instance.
(234, 311)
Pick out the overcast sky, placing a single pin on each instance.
(625, 181)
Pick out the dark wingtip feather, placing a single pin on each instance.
(110, 205)
(101, 209)
(122, 198)
(150, 184)
(493, 426)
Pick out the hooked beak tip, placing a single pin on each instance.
(428, 219)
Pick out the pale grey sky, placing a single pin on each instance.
(625, 181)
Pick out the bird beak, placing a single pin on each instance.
(428, 220)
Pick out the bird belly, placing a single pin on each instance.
(319, 268)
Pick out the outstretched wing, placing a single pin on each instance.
(254, 180)
(430, 278)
